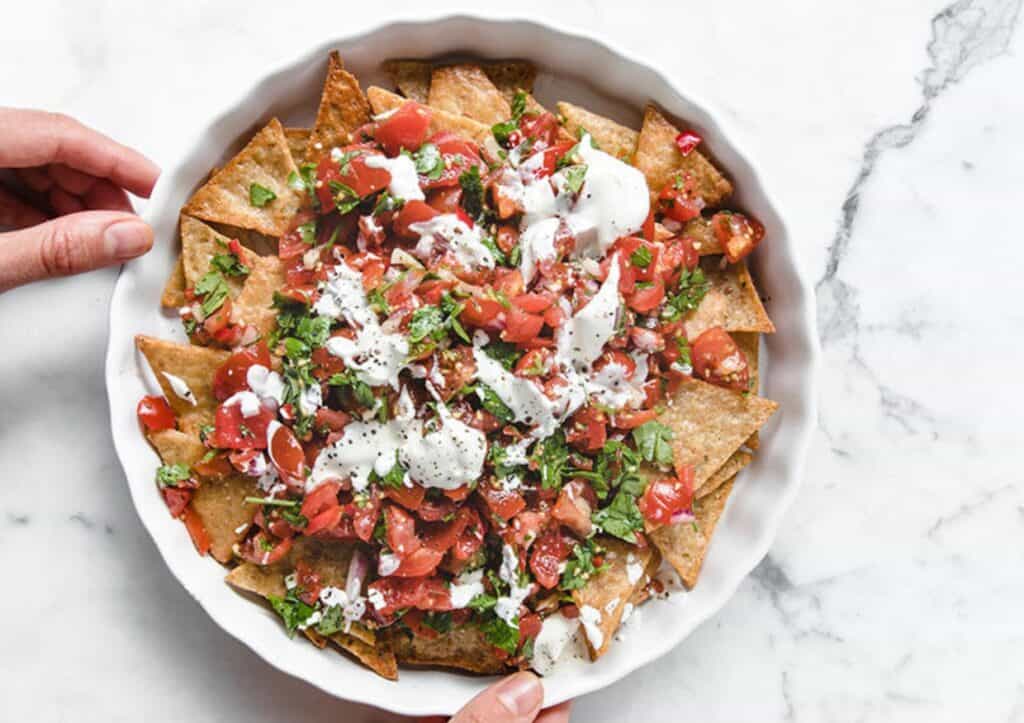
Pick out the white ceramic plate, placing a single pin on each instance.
(566, 63)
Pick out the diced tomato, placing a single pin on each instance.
(666, 497)
(421, 593)
(527, 526)
(587, 430)
(176, 499)
(535, 363)
(401, 531)
(196, 530)
(412, 212)
(230, 377)
(308, 581)
(629, 419)
(445, 200)
(422, 561)
(406, 128)
(413, 619)
(679, 200)
(687, 141)
(717, 359)
(262, 549)
(678, 254)
(521, 326)
(646, 340)
(541, 127)
(325, 520)
(292, 245)
(219, 320)
(480, 311)
(647, 298)
(548, 553)
(287, 455)
(234, 431)
(554, 317)
(436, 508)
(321, 498)
(534, 303)
(216, 467)
(365, 515)
(443, 535)
(459, 156)
(456, 366)
(737, 234)
(155, 414)
(509, 282)
(648, 228)
(331, 420)
(507, 237)
(408, 497)
(506, 504)
(529, 627)
(471, 538)
(574, 506)
(359, 178)
(458, 494)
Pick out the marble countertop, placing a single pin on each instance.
(893, 131)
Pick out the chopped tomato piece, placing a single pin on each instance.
(196, 530)
(679, 200)
(234, 431)
(506, 504)
(678, 254)
(408, 497)
(308, 581)
(445, 200)
(534, 303)
(521, 326)
(262, 549)
(401, 531)
(587, 430)
(687, 141)
(666, 497)
(717, 359)
(480, 311)
(325, 520)
(647, 298)
(422, 561)
(509, 282)
(630, 419)
(529, 627)
(343, 183)
(737, 234)
(323, 497)
(405, 129)
(547, 556)
(574, 506)
(331, 420)
(287, 455)
(535, 363)
(155, 414)
(230, 377)
(411, 213)
(177, 499)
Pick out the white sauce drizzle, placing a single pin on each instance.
(180, 388)
(464, 241)
(405, 182)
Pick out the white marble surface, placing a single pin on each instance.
(894, 131)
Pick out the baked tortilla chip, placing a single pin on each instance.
(685, 544)
(704, 239)
(467, 91)
(195, 365)
(660, 161)
(726, 472)
(464, 647)
(176, 447)
(199, 244)
(411, 77)
(731, 301)
(613, 138)
(608, 592)
(749, 343)
(382, 101)
(379, 658)
(298, 143)
(174, 290)
(265, 161)
(710, 423)
(262, 580)
(510, 76)
(343, 108)
(253, 304)
(221, 506)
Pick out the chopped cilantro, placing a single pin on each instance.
(580, 567)
(214, 290)
(305, 180)
(641, 258)
(693, 285)
(621, 518)
(427, 321)
(551, 456)
(292, 610)
(654, 442)
(483, 602)
(169, 475)
(429, 161)
(345, 198)
(574, 177)
(260, 196)
(504, 352)
(362, 391)
(386, 202)
(472, 192)
(684, 350)
(439, 621)
(502, 131)
(395, 477)
(492, 246)
(490, 401)
(307, 232)
(332, 621)
(229, 265)
(501, 635)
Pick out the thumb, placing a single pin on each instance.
(516, 699)
(70, 245)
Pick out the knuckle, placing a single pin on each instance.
(58, 252)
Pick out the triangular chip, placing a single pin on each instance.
(253, 304)
(379, 658)
(731, 301)
(698, 230)
(749, 343)
(643, 589)
(260, 244)
(174, 290)
(726, 472)
(411, 77)
(265, 163)
(298, 143)
(221, 506)
(199, 244)
(510, 76)
(264, 580)
(603, 599)
(343, 108)
(195, 367)
(613, 138)
(382, 101)
(685, 544)
(176, 447)
(710, 423)
(463, 647)
(467, 91)
(660, 161)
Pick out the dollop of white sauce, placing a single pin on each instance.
(363, 447)
(180, 388)
(590, 618)
(352, 607)
(507, 607)
(524, 398)
(556, 632)
(464, 241)
(248, 401)
(405, 182)
(387, 564)
(265, 384)
(466, 587)
(634, 570)
(445, 458)
(582, 338)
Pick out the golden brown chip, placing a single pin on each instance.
(254, 304)
(467, 91)
(726, 472)
(608, 592)
(382, 101)
(298, 143)
(176, 447)
(379, 658)
(411, 77)
(749, 343)
(260, 244)
(221, 506)
(464, 647)
(199, 244)
(195, 366)
(174, 290)
(660, 161)
(264, 162)
(510, 76)
(731, 301)
(613, 138)
(343, 108)
(685, 544)
(262, 580)
(710, 423)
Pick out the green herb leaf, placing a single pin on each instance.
(580, 567)
(332, 621)
(654, 442)
(641, 258)
(260, 196)
(429, 161)
(439, 621)
(362, 391)
(574, 177)
(169, 475)
(427, 321)
(472, 192)
(504, 352)
(621, 518)
(214, 290)
(292, 610)
(345, 198)
(551, 457)
(483, 602)
(692, 287)
(501, 635)
(490, 401)
(272, 502)
(229, 265)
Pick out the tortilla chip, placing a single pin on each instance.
(266, 161)
(608, 591)
(195, 365)
(643, 590)
(731, 302)
(660, 161)
(199, 244)
(174, 290)
(221, 506)
(379, 658)
(510, 76)
(382, 101)
(253, 304)
(176, 447)
(615, 139)
(411, 77)
(260, 244)
(704, 239)
(750, 344)
(343, 108)
(726, 472)
(263, 580)
(685, 544)
(710, 423)
(467, 91)
(464, 647)
(298, 143)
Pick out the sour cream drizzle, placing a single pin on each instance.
(405, 182)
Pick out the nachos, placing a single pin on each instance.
(462, 372)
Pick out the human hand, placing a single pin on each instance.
(81, 177)
(515, 699)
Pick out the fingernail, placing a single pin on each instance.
(128, 239)
(521, 694)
